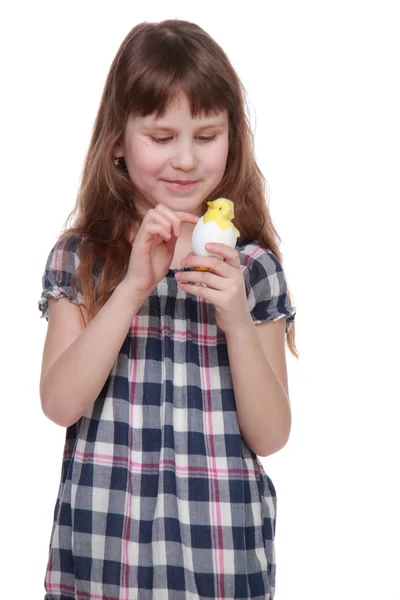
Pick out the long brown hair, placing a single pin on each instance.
(155, 62)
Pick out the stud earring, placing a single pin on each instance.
(120, 164)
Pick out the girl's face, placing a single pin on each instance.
(176, 160)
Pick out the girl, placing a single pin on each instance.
(169, 389)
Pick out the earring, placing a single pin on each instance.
(120, 164)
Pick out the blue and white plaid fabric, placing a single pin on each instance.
(160, 497)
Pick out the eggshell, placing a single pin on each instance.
(204, 233)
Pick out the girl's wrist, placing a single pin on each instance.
(240, 330)
(130, 293)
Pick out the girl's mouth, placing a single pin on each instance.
(180, 185)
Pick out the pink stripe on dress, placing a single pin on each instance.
(214, 489)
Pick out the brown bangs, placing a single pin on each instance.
(154, 96)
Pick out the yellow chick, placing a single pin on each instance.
(215, 226)
(222, 211)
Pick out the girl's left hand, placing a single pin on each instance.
(225, 285)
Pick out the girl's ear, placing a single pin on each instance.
(118, 150)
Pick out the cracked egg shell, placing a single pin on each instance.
(205, 233)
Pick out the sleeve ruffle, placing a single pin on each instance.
(59, 275)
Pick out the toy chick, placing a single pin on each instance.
(215, 226)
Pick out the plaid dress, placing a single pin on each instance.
(160, 497)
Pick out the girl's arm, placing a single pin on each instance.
(256, 352)
(77, 360)
(258, 366)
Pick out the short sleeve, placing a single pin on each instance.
(59, 275)
(266, 286)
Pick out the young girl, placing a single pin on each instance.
(169, 389)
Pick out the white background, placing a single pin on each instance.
(323, 85)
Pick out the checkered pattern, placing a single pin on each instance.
(160, 497)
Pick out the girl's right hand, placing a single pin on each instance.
(153, 248)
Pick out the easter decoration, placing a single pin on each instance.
(215, 226)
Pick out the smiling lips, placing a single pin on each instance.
(186, 182)
(184, 185)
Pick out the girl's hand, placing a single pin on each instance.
(154, 246)
(225, 285)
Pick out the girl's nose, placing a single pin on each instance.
(184, 157)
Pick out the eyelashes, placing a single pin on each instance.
(201, 138)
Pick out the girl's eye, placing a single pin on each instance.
(206, 138)
(161, 140)
(165, 140)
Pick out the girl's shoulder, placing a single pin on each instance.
(266, 285)
(254, 256)
(64, 254)
(59, 276)
(68, 243)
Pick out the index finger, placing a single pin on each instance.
(187, 217)
(176, 216)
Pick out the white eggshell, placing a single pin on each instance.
(204, 233)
